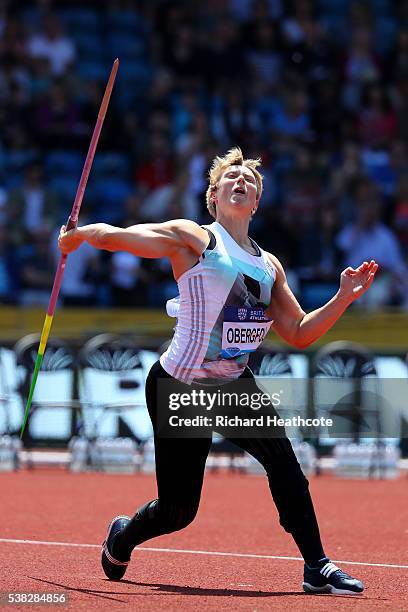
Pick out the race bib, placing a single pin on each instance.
(243, 330)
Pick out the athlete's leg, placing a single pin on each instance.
(290, 492)
(288, 485)
(180, 464)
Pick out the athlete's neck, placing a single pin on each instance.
(237, 229)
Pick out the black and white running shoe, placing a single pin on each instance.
(328, 578)
(113, 568)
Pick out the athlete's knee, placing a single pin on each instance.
(176, 514)
(295, 506)
(171, 515)
(290, 490)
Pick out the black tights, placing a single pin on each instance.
(180, 467)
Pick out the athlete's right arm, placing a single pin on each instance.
(144, 240)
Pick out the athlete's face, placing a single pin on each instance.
(237, 191)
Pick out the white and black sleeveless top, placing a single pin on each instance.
(220, 311)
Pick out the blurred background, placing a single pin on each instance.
(317, 89)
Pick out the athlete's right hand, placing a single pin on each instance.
(69, 241)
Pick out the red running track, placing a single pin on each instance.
(361, 521)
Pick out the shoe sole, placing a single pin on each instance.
(328, 588)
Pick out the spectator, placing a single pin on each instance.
(131, 210)
(377, 121)
(182, 54)
(398, 158)
(20, 152)
(8, 269)
(128, 280)
(368, 239)
(294, 27)
(32, 205)
(224, 53)
(344, 178)
(157, 169)
(56, 118)
(263, 56)
(400, 97)
(233, 119)
(302, 192)
(183, 114)
(16, 108)
(397, 67)
(361, 66)
(37, 268)
(255, 13)
(41, 77)
(326, 114)
(13, 41)
(400, 220)
(305, 90)
(52, 44)
(171, 201)
(291, 119)
(319, 254)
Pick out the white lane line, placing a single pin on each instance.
(197, 552)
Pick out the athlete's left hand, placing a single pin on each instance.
(355, 281)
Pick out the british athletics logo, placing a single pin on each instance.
(244, 314)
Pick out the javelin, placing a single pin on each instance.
(71, 224)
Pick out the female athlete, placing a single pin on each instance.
(226, 281)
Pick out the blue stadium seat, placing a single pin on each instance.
(16, 161)
(93, 70)
(12, 181)
(333, 7)
(110, 163)
(65, 186)
(108, 195)
(126, 46)
(90, 46)
(382, 7)
(76, 19)
(134, 73)
(125, 98)
(315, 294)
(337, 27)
(133, 81)
(125, 21)
(385, 31)
(32, 16)
(63, 163)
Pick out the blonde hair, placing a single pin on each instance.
(234, 157)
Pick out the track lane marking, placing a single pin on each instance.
(196, 552)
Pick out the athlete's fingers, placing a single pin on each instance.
(363, 266)
(369, 281)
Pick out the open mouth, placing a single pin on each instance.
(239, 190)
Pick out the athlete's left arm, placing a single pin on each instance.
(300, 329)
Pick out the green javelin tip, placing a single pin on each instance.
(37, 367)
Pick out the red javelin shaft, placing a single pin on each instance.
(71, 223)
(73, 218)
